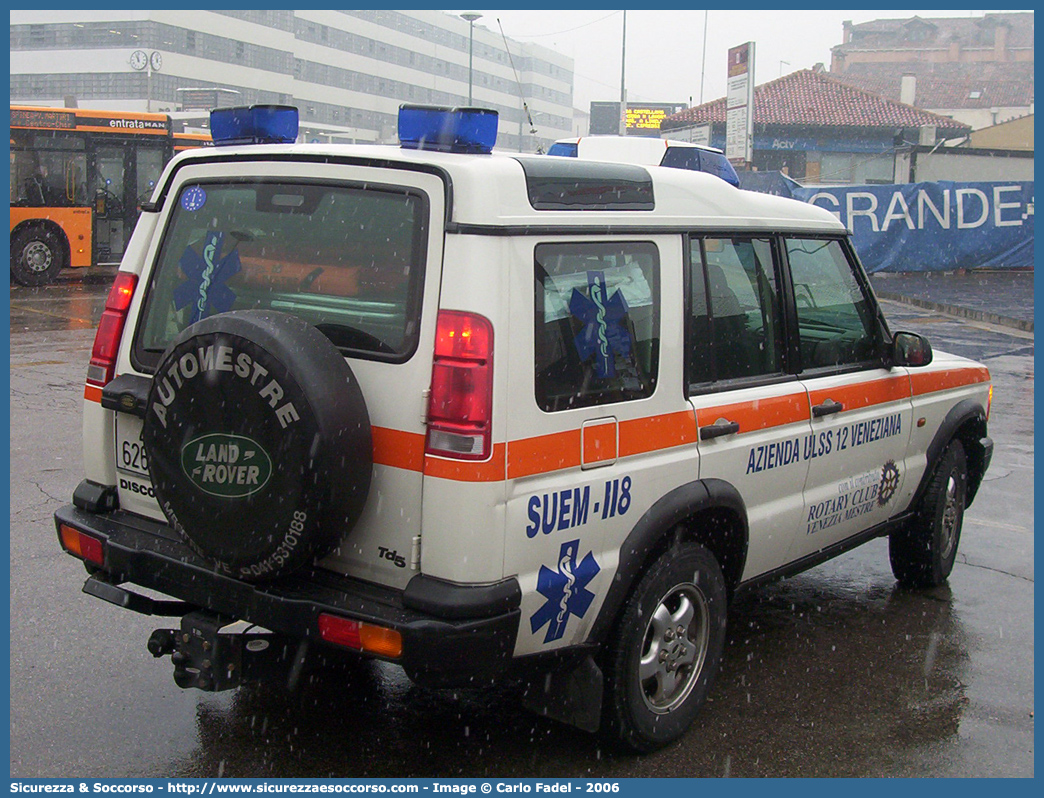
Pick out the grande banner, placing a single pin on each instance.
(921, 227)
(944, 226)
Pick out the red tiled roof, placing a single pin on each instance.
(815, 99)
(948, 85)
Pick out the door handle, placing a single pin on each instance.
(718, 428)
(828, 408)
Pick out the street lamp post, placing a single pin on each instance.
(623, 75)
(470, 16)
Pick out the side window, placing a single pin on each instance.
(597, 316)
(737, 333)
(835, 318)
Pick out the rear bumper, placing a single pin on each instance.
(451, 634)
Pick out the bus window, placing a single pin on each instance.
(149, 166)
(109, 172)
(50, 174)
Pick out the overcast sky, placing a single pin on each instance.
(665, 51)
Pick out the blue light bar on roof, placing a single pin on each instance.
(434, 127)
(254, 124)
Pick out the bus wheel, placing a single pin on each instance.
(36, 256)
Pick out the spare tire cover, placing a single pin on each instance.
(259, 442)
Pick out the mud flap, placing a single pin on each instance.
(570, 693)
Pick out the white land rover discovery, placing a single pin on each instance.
(479, 413)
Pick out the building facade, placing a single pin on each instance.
(346, 71)
(977, 70)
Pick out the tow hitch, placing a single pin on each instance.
(208, 658)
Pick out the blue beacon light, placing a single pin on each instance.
(254, 124)
(434, 127)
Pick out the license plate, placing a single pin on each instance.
(130, 449)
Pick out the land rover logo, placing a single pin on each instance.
(229, 466)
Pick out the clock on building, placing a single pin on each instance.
(139, 60)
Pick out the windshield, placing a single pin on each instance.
(346, 259)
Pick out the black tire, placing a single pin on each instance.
(923, 553)
(657, 680)
(258, 480)
(37, 256)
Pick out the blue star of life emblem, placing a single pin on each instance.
(207, 273)
(603, 335)
(565, 590)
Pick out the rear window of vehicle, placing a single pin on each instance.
(564, 149)
(713, 163)
(347, 259)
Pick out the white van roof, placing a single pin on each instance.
(528, 191)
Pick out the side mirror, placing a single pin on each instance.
(911, 349)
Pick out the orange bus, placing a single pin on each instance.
(78, 179)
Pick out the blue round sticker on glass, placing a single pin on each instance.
(193, 199)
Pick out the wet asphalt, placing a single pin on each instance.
(997, 297)
(836, 672)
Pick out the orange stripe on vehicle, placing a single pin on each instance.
(543, 454)
(865, 394)
(491, 470)
(776, 411)
(657, 432)
(932, 381)
(392, 447)
(92, 393)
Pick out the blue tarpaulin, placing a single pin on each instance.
(921, 227)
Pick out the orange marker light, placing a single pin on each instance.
(378, 640)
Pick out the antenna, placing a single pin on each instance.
(529, 116)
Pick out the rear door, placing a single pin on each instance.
(355, 251)
(599, 429)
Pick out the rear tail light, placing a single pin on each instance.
(461, 403)
(82, 545)
(362, 636)
(110, 330)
